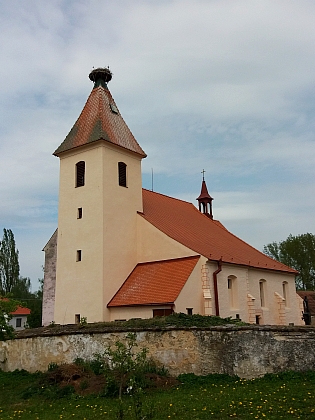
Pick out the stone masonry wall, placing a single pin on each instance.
(248, 351)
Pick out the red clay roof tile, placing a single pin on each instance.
(97, 121)
(182, 221)
(153, 283)
(21, 311)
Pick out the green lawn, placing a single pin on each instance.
(284, 396)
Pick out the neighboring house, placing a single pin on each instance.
(123, 252)
(19, 318)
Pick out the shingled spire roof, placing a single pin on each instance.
(100, 119)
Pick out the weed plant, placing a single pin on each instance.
(288, 395)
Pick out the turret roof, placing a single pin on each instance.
(204, 192)
(100, 119)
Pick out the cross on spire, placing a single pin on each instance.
(203, 174)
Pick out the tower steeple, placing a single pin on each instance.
(205, 199)
(100, 120)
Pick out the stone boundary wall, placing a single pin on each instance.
(247, 351)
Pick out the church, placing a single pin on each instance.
(121, 251)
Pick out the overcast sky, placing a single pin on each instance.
(222, 85)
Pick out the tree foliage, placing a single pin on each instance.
(297, 252)
(17, 286)
(9, 262)
(6, 307)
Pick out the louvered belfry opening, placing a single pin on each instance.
(122, 174)
(80, 174)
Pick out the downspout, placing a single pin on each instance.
(215, 287)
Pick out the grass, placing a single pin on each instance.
(284, 396)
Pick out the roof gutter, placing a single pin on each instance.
(215, 287)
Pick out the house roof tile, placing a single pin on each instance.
(21, 311)
(100, 120)
(182, 221)
(153, 283)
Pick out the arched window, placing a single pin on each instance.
(285, 293)
(232, 289)
(262, 292)
(122, 174)
(80, 174)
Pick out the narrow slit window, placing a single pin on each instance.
(79, 213)
(122, 174)
(80, 174)
(79, 255)
(285, 293)
(77, 318)
(262, 292)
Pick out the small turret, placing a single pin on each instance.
(205, 199)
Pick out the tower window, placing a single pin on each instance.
(79, 255)
(80, 174)
(122, 174)
(79, 213)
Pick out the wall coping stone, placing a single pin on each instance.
(74, 329)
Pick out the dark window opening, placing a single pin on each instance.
(229, 283)
(77, 318)
(189, 311)
(257, 319)
(18, 322)
(113, 108)
(80, 213)
(237, 316)
(80, 174)
(162, 312)
(79, 255)
(122, 174)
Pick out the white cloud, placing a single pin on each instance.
(223, 85)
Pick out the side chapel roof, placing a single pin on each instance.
(100, 119)
(182, 222)
(155, 283)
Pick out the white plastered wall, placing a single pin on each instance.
(247, 285)
(191, 295)
(154, 245)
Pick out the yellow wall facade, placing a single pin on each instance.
(105, 234)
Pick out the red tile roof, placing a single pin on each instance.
(182, 221)
(98, 121)
(154, 283)
(21, 311)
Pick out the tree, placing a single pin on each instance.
(17, 286)
(9, 262)
(297, 252)
(6, 307)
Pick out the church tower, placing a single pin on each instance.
(100, 194)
